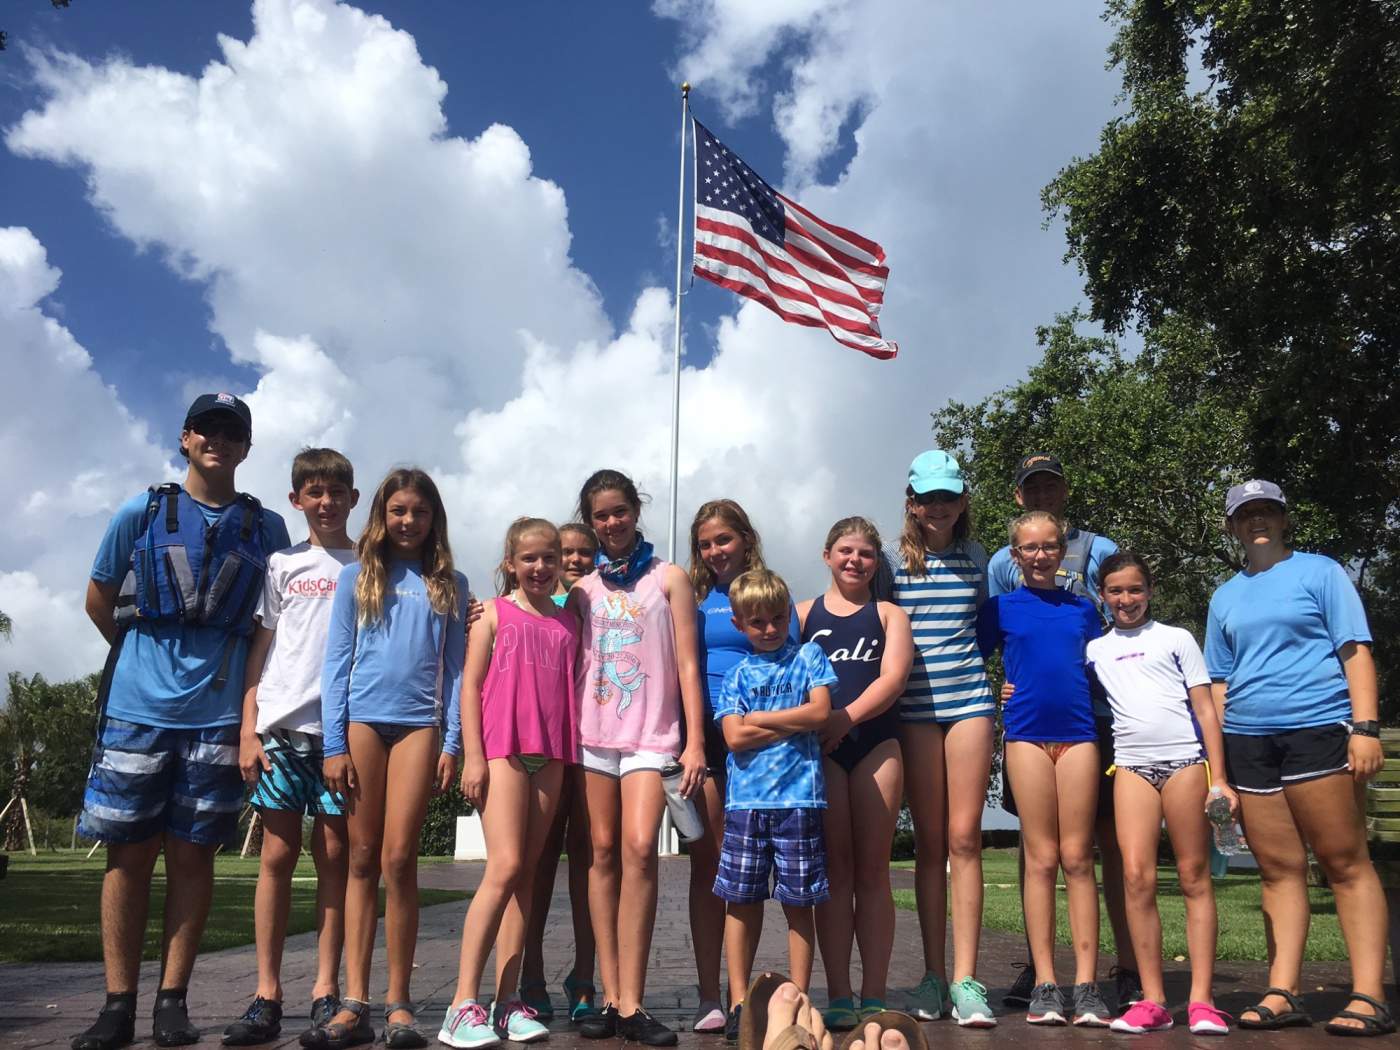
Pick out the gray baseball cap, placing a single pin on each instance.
(1250, 491)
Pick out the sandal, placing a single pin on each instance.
(753, 1019)
(337, 1035)
(890, 1020)
(1293, 1017)
(401, 1036)
(1379, 1023)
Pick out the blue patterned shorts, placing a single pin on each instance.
(294, 783)
(146, 780)
(758, 841)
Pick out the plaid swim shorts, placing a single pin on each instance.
(294, 783)
(761, 842)
(146, 780)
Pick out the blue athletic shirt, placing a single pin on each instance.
(1043, 635)
(722, 645)
(165, 672)
(1272, 637)
(404, 670)
(786, 774)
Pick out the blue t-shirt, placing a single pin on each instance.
(165, 673)
(1004, 575)
(722, 645)
(404, 670)
(786, 774)
(1272, 637)
(1043, 635)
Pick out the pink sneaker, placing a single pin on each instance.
(1143, 1016)
(1207, 1020)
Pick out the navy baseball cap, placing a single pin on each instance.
(1250, 491)
(1038, 463)
(220, 404)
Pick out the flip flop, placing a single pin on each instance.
(1379, 1023)
(889, 1019)
(1293, 1017)
(753, 1022)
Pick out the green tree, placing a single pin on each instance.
(46, 734)
(6, 625)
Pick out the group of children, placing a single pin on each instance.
(595, 671)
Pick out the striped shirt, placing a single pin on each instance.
(948, 681)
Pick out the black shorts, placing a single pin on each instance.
(1104, 728)
(1264, 765)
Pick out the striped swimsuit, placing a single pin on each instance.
(948, 681)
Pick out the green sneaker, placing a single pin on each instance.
(970, 1007)
(929, 1001)
(870, 1007)
(841, 1015)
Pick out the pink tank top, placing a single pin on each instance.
(629, 690)
(528, 701)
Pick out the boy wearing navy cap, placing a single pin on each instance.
(172, 589)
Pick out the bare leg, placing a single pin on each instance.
(1076, 787)
(1283, 885)
(189, 887)
(541, 897)
(876, 786)
(1033, 776)
(579, 843)
(968, 761)
(1183, 802)
(801, 941)
(835, 917)
(706, 909)
(1138, 809)
(330, 852)
(272, 900)
(1111, 858)
(126, 901)
(541, 802)
(605, 874)
(642, 803)
(365, 824)
(743, 926)
(922, 743)
(409, 783)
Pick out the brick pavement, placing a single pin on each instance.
(44, 1005)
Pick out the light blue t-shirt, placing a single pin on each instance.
(786, 774)
(404, 670)
(165, 672)
(1272, 637)
(722, 645)
(1004, 575)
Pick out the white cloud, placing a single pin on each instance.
(408, 295)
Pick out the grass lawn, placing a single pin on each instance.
(1236, 902)
(49, 906)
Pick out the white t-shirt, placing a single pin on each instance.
(1146, 672)
(296, 605)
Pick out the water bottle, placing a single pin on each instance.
(684, 816)
(1229, 842)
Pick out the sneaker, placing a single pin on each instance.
(1046, 1006)
(709, 1017)
(1143, 1016)
(927, 1002)
(260, 1023)
(1127, 986)
(115, 1027)
(579, 995)
(642, 1028)
(517, 1022)
(1205, 1019)
(170, 1020)
(731, 1023)
(970, 1007)
(1090, 1011)
(600, 1025)
(1019, 994)
(466, 1026)
(841, 1015)
(536, 996)
(870, 1007)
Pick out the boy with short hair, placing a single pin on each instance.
(770, 708)
(280, 741)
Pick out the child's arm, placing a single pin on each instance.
(739, 735)
(337, 770)
(454, 655)
(101, 606)
(252, 760)
(1203, 704)
(803, 608)
(479, 643)
(806, 717)
(989, 626)
(681, 597)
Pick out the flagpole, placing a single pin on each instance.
(676, 354)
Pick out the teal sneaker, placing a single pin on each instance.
(870, 1007)
(841, 1015)
(536, 996)
(516, 1022)
(929, 1001)
(580, 995)
(970, 1007)
(466, 1026)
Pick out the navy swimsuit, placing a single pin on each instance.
(854, 644)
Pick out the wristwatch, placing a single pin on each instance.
(1369, 728)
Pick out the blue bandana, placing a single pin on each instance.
(625, 571)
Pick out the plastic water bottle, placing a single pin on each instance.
(1229, 841)
(684, 815)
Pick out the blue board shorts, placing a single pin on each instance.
(294, 783)
(146, 780)
(761, 842)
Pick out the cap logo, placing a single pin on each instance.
(225, 399)
(1253, 486)
(1037, 459)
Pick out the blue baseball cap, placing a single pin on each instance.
(935, 471)
(1250, 491)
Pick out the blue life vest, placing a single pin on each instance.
(185, 570)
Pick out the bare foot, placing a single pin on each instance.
(872, 1038)
(790, 1008)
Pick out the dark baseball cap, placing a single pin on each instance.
(220, 404)
(1249, 491)
(1038, 463)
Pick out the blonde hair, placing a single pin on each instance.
(758, 591)
(372, 549)
(702, 577)
(853, 526)
(1037, 517)
(506, 580)
(911, 538)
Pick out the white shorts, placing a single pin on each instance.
(615, 763)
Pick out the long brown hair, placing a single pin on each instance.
(734, 517)
(372, 549)
(520, 528)
(911, 539)
(853, 526)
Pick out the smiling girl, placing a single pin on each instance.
(392, 722)
(519, 731)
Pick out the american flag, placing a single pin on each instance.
(754, 241)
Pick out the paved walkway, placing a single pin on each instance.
(44, 1005)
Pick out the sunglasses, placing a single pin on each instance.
(219, 428)
(927, 499)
